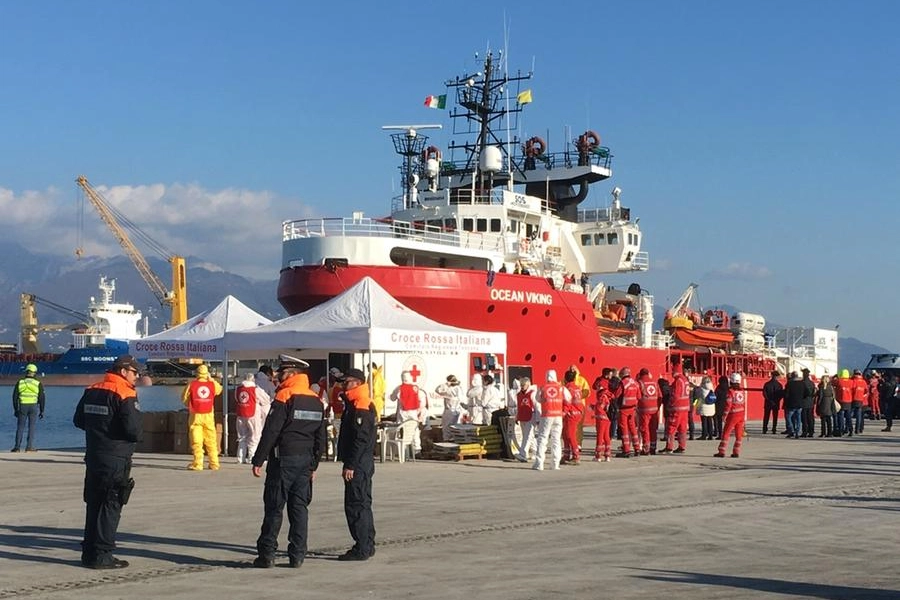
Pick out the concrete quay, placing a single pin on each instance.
(809, 518)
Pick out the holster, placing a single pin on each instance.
(125, 491)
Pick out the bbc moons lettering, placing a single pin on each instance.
(504, 295)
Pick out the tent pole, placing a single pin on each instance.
(225, 407)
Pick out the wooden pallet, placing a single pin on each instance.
(464, 455)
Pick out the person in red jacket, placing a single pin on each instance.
(627, 398)
(601, 416)
(677, 419)
(843, 393)
(527, 417)
(573, 414)
(647, 412)
(858, 402)
(735, 414)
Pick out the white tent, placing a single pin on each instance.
(364, 318)
(200, 336)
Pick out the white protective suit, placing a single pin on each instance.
(491, 399)
(419, 414)
(473, 397)
(527, 446)
(249, 429)
(450, 394)
(550, 429)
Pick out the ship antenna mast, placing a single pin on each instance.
(410, 145)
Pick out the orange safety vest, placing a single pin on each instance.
(245, 398)
(552, 400)
(203, 396)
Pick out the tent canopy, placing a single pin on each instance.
(363, 318)
(200, 336)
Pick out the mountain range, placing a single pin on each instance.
(71, 282)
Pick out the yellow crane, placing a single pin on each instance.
(176, 297)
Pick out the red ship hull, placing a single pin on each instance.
(546, 328)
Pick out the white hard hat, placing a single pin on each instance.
(736, 378)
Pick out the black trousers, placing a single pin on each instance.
(358, 508)
(893, 406)
(770, 409)
(826, 422)
(104, 482)
(288, 481)
(808, 421)
(708, 427)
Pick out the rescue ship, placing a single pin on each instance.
(489, 233)
(95, 343)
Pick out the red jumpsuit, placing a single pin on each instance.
(630, 393)
(573, 413)
(601, 421)
(734, 414)
(874, 405)
(648, 415)
(677, 414)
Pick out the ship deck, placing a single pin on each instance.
(679, 527)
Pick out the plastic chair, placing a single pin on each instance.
(401, 437)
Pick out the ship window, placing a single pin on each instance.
(481, 225)
(468, 225)
(495, 226)
(437, 223)
(599, 239)
(637, 239)
(585, 239)
(612, 238)
(450, 224)
(514, 226)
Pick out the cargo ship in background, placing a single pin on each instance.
(489, 233)
(102, 335)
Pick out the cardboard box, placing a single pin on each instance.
(155, 422)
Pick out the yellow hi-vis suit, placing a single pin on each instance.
(200, 397)
(378, 391)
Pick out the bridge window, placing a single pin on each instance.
(450, 224)
(481, 225)
(585, 239)
(599, 239)
(436, 223)
(612, 238)
(468, 225)
(496, 225)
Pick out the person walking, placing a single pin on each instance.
(251, 408)
(109, 415)
(551, 398)
(773, 392)
(735, 414)
(356, 448)
(28, 406)
(200, 397)
(293, 440)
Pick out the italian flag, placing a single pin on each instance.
(436, 101)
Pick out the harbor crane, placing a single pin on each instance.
(176, 297)
(28, 340)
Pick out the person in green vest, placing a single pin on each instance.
(28, 405)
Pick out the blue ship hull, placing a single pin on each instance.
(75, 366)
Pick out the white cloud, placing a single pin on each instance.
(237, 230)
(740, 271)
(662, 264)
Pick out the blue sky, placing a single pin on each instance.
(758, 142)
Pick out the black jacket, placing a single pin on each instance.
(295, 423)
(109, 415)
(796, 394)
(773, 392)
(356, 439)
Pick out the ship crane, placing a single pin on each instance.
(29, 322)
(176, 297)
(681, 314)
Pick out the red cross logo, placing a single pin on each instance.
(415, 372)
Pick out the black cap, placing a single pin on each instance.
(354, 374)
(126, 361)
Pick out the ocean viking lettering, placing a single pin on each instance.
(505, 295)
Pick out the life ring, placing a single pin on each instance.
(431, 152)
(534, 146)
(588, 141)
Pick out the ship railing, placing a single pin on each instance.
(599, 157)
(603, 215)
(640, 261)
(390, 228)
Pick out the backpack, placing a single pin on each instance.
(710, 398)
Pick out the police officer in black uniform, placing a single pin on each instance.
(356, 448)
(108, 413)
(293, 440)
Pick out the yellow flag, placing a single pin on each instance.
(524, 97)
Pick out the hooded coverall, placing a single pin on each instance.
(200, 397)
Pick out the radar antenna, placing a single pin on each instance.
(410, 145)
